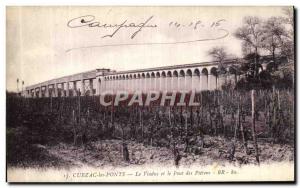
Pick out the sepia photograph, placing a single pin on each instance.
(150, 94)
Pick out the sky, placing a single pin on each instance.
(41, 46)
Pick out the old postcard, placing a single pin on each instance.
(150, 94)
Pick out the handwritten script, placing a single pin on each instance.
(89, 21)
(133, 28)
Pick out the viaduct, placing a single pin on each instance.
(188, 77)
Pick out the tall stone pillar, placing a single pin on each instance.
(46, 91)
(168, 83)
(188, 82)
(62, 90)
(181, 83)
(75, 92)
(99, 86)
(56, 89)
(232, 78)
(36, 93)
(82, 90)
(67, 89)
(221, 81)
(107, 84)
(196, 83)
(212, 82)
(91, 87)
(162, 83)
(204, 82)
(144, 84)
(157, 83)
(40, 92)
(113, 84)
(130, 85)
(174, 83)
(147, 84)
(50, 90)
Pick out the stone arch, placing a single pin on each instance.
(134, 82)
(143, 82)
(157, 81)
(152, 81)
(130, 82)
(181, 73)
(204, 79)
(204, 71)
(175, 73)
(214, 71)
(169, 74)
(189, 73)
(232, 70)
(232, 74)
(147, 83)
(196, 80)
(162, 81)
(126, 82)
(197, 72)
(213, 78)
(99, 87)
(168, 81)
(181, 80)
(139, 83)
(175, 80)
(188, 80)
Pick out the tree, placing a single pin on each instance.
(273, 33)
(288, 41)
(251, 33)
(289, 19)
(219, 54)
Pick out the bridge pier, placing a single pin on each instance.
(82, 90)
(221, 80)
(212, 82)
(40, 91)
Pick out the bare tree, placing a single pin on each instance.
(287, 47)
(289, 18)
(251, 34)
(219, 54)
(273, 35)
